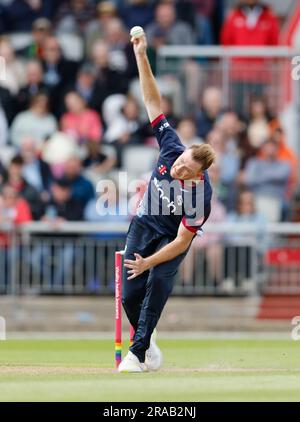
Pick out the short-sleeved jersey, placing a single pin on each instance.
(167, 202)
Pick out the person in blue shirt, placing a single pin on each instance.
(174, 208)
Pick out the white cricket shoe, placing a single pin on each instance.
(131, 363)
(154, 357)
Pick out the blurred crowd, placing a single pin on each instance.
(70, 106)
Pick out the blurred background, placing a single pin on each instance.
(71, 115)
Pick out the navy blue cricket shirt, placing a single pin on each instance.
(167, 202)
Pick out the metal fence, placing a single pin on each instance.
(78, 258)
(239, 72)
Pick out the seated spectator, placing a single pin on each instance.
(259, 118)
(15, 72)
(62, 206)
(97, 164)
(166, 29)
(73, 16)
(81, 189)
(86, 85)
(36, 122)
(286, 154)
(95, 30)
(35, 170)
(121, 55)
(125, 129)
(34, 84)
(188, 12)
(41, 30)
(109, 80)
(241, 247)
(187, 132)
(211, 109)
(13, 208)
(229, 129)
(14, 211)
(212, 11)
(80, 122)
(14, 178)
(58, 72)
(268, 179)
(21, 14)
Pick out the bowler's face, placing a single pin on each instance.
(185, 168)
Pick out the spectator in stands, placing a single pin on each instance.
(137, 13)
(125, 129)
(187, 11)
(14, 178)
(211, 243)
(166, 29)
(82, 123)
(228, 159)
(41, 30)
(187, 132)
(74, 16)
(250, 23)
(20, 14)
(286, 154)
(230, 129)
(15, 74)
(95, 30)
(35, 84)
(81, 189)
(58, 72)
(98, 163)
(62, 206)
(14, 211)
(110, 80)
(211, 109)
(13, 208)
(240, 252)
(213, 11)
(268, 179)
(258, 127)
(36, 121)
(121, 55)
(87, 86)
(35, 170)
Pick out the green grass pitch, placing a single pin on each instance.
(194, 370)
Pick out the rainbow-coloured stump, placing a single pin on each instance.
(118, 308)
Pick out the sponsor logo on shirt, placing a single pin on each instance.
(162, 170)
(163, 126)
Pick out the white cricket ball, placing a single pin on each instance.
(136, 32)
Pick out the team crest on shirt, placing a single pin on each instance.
(162, 169)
